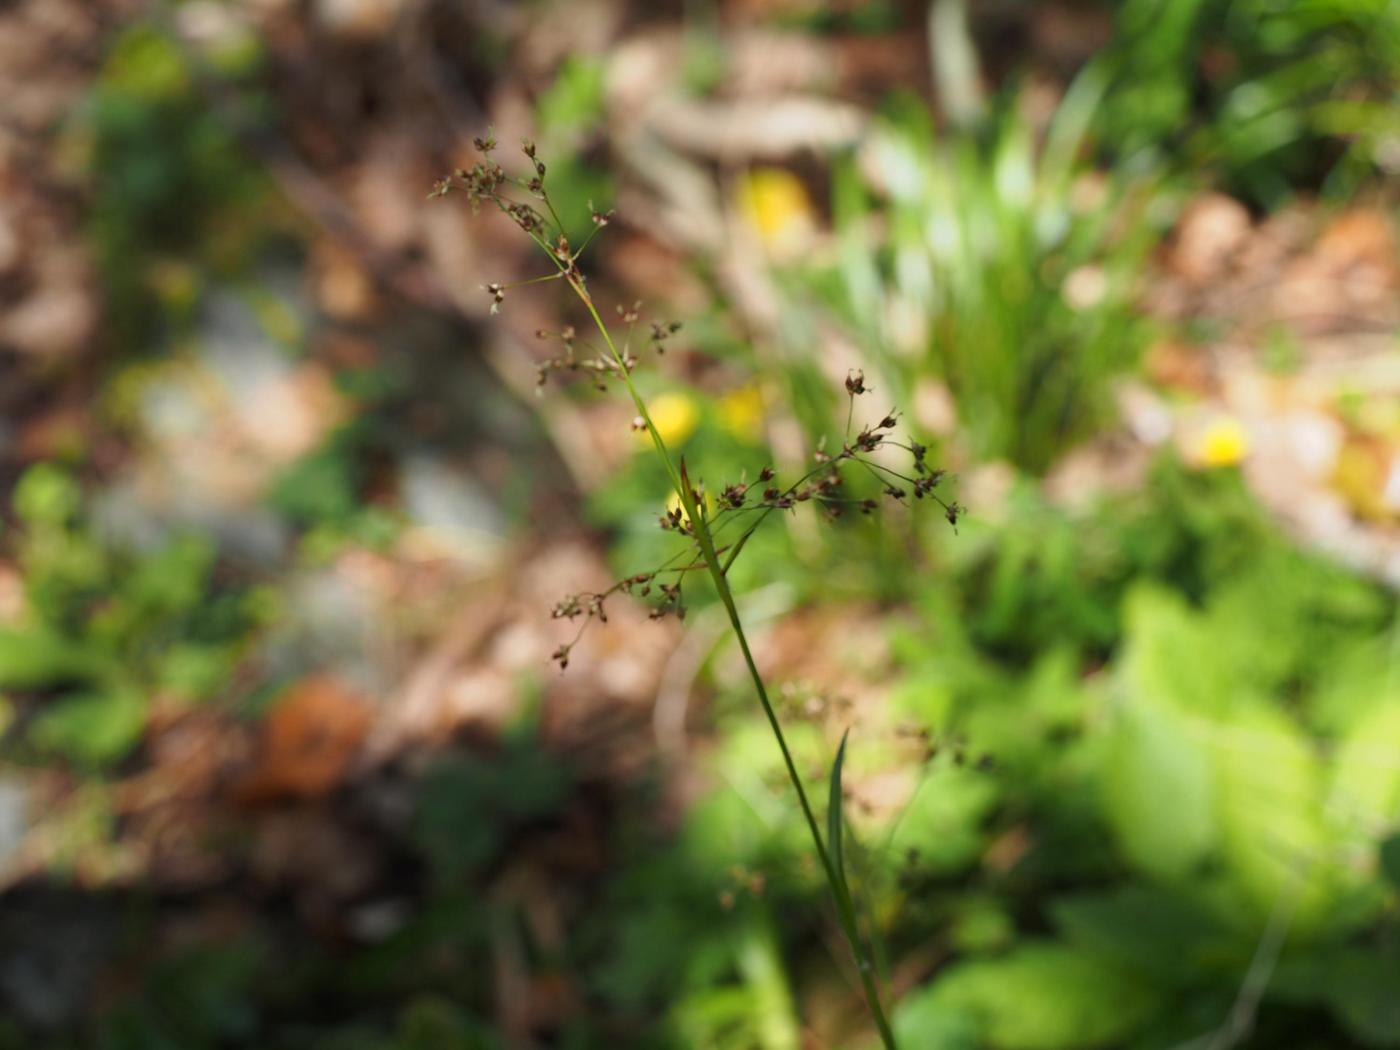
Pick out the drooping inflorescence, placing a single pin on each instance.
(741, 506)
(716, 536)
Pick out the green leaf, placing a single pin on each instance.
(1158, 934)
(924, 1021)
(1366, 778)
(1357, 681)
(145, 64)
(1358, 985)
(173, 580)
(1041, 996)
(1173, 657)
(46, 496)
(1198, 765)
(942, 824)
(323, 486)
(1390, 858)
(93, 729)
(1158, 791)
(1270, 812)
(833, 813)
(760, 963)
(573, 102)
(33, 659)
(1362, 994)
(469, 805)
(981, 924)
(195, 671)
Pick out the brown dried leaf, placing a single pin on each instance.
(310, 739)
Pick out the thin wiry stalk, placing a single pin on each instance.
(483, 183)
(845, 908)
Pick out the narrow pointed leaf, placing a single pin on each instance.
(833, 814)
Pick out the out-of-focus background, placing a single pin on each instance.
(286, 764)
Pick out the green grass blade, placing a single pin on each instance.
(833, 815)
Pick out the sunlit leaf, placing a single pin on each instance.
(1158, 788)
(1171, 659)
(1365, 792)
(1269, 805)
(1040, 996)
(31, 659)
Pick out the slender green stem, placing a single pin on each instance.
(533, 280)
(700, 527)
(844, 905)
(845, 908)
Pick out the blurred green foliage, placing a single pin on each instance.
(568, 117)
(1266, 96)
(171, 181)
(999, 258)
(517, 786)
(1163, 765)
(1229, 769)
(107, 629)
(1006, 268)
(1183, 730)
(1235, 790)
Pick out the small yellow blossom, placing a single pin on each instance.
(741, 412)
(673, 502)
(675, 417)
(776, 205)
(1223, 443)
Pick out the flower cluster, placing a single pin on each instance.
(824, 484)
(741, 506)
(588, 606)
(715, 537)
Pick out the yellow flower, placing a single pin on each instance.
(1223, 443)
(776, 205)
(741, 412)
(675, 417)
(673, 502)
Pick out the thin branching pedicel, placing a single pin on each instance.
(716, 530)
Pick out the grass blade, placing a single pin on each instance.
(834, 813)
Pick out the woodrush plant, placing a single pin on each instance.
(739, 508)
